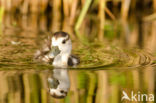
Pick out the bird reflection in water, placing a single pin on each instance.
(59, 83)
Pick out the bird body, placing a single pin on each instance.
(57, 51)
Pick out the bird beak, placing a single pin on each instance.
(53, 83)
(55, 50)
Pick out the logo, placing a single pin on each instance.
(137, 96)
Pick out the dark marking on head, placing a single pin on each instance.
(65, 40)
(60, 34)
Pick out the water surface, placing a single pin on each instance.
(119, 63)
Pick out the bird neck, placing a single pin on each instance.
(61, 60)
(64, 56)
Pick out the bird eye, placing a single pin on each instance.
(63, 42)
(62, 91)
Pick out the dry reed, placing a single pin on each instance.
(154, 5)
(102, 5)
(125, 8)
(74, 11)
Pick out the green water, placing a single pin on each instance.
(107, 68)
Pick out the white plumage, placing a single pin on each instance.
(63, 58)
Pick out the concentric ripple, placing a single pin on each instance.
(96, 56)
(18, 52)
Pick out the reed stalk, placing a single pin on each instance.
(14, 5)
(115, 7)
(24, 7)
(82, 14)
(136, 79)
(82, 38)
(149, 79)
(56, 15)
(133, 4)
(66, 7)
(74, 97)
(43, 5)
(125, 9)
(153, 41)
(43, 79)
(91, 88)
(133, 37)
(115, 94)
(68, 28)
(83, 2)
(1, 10)
(24, 22)
(26, 89)
(34, 6)
(154, 5)
(7, 20)
(7, 5)
(43, 23)
(33, 22)
(11, 97)
(1, 14)
(34, 86)
(110, 13)
(102, 5)
(102, 91)
(73, 11)
(4, 89)
(17, 93)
